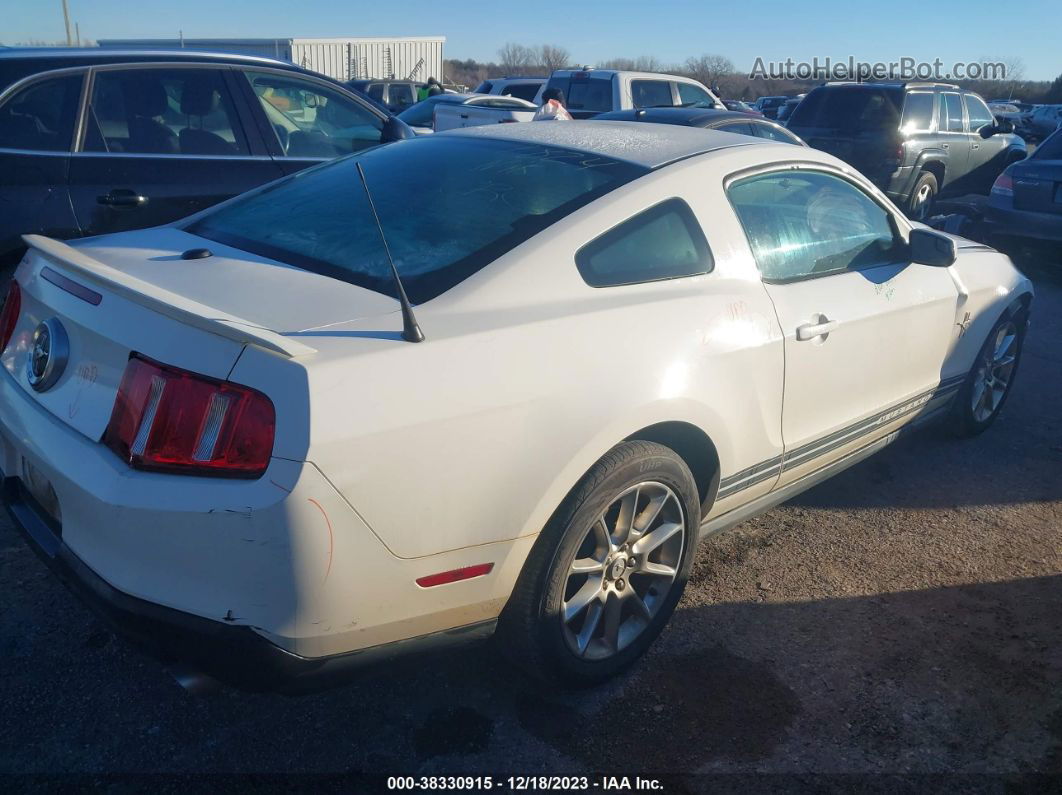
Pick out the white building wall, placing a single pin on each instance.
(418, 57)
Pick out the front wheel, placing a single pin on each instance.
(985, 390)
(607, 571)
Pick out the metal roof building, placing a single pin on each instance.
(411, 57)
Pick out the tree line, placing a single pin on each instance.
(715, 71)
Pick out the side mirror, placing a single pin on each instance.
(932, 248)
(1001, 126)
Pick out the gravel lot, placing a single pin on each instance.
(903, 618)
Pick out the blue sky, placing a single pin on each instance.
(593, 30)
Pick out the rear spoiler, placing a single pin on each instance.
(165, 302)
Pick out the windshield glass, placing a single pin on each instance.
(1050, 149)
(849, 110)
(420, 115)
(449, 206)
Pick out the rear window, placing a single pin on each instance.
(449, 207)
(849, 109)
(483, 88)
(1050, 149)
(526, 91)
(593, 95)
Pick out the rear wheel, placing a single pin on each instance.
(920, 204)
(986, 388)
(607, 571)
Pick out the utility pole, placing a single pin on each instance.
(66, 21)
(77, 33)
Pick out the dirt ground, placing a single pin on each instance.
(898, 628)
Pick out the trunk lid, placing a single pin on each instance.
(112, 296)
(1038, 185)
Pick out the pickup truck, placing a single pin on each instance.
(588, 92)
(480, 109)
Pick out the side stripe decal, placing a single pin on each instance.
(772, 467)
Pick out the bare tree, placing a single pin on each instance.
(643, 63)
(516, 59)
(553, 57)
(709, 68)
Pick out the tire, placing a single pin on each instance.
(582, 650)
(979, 400)
(920, 202)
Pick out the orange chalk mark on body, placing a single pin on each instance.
(331, 537)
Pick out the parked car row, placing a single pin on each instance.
(95, 141)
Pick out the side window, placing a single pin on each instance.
(917, 112)
(949, 113)
(163, 111)
(803, 224)
(663, 242)
(773, 134)
(41, 116)
(312, 120)
(651, 93)
(694, 96)
(978, 112)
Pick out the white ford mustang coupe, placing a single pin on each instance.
(238, 438)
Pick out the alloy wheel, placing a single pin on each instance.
(995, 370)
(623, 571)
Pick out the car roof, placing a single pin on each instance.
(80, 55)
(613, 72)
(641, 144)
(692, 116)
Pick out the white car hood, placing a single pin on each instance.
(262, 291)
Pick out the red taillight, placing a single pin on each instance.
(169, 419)
(10, 313)
(1004, 185)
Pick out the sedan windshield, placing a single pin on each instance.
(421, 114)
(449, 206)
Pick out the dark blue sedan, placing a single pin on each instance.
(726, 120)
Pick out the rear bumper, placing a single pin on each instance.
(1023, 223)
(236, 655)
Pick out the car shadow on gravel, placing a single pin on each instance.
(955, 678)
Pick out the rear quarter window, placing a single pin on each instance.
(663, 242)
(40, 117)
(917, 112)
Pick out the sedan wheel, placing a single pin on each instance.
(626, 565)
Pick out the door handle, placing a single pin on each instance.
(944, 146)
(122, 197)
(810, 331)
(975, 146)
